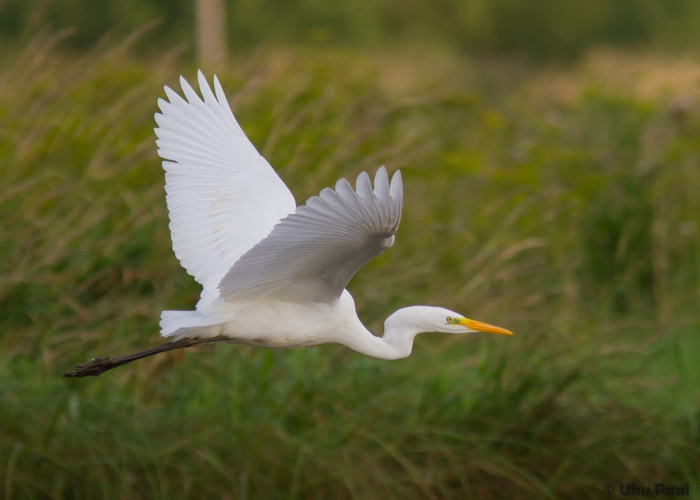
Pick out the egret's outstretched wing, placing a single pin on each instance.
(312, 254)
(223, 197)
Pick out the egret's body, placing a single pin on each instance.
(273, 274)
(283, 324)
(276, 323)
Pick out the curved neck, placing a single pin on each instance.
(399, 331)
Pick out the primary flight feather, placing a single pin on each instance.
(273, 274)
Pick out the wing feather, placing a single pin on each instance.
(312, 254)
(223, 197)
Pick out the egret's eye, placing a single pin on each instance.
(450, 319)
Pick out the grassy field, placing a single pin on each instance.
(562, 204)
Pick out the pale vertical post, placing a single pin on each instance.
(211, 31)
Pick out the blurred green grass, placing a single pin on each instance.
(571, 221)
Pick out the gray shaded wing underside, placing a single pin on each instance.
(311, 254)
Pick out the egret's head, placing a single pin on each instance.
(456, 323)
(439, 319)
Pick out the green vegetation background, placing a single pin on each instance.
(563, 206)
(539, 28)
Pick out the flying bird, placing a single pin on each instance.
(273, 274)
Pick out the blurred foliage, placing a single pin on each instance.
(539, 28)
(573, 223)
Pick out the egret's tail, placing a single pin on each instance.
(175, 323)
(193, 324)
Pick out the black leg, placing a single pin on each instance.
(98, 366)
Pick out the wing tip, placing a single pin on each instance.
(396, 183)
(396, 193)
(381, 180)
(201, 79)
(190, 93)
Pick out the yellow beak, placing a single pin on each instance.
(483, 327)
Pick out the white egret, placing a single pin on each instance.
(273, 274)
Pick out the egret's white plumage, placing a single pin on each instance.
(274, 274)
